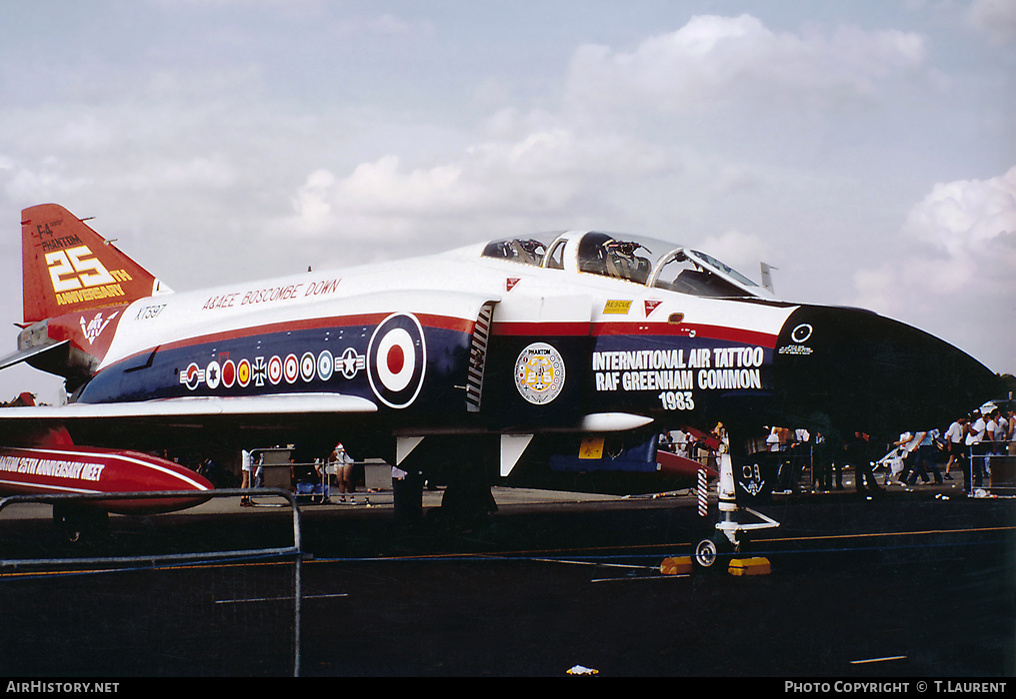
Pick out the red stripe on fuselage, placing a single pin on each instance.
(635, 329)
(536, 329)
(710, 332)
(427, 320)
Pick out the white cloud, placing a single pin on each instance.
(995, 18)
(957, 274)
(713, 60)
(742, 251)
(86, 133)
(381, 189)
(966, 217)
(46, 180)
(196, 173)
(369, 135)
(542, 172)
(311, 201)
(386, 24)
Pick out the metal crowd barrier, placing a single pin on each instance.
(155, 560)
(998, 475)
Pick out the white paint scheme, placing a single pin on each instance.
(512, 446)
(454, 284)
(197, 406)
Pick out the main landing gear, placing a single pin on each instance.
(462, 464)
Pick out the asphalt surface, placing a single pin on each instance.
(914, 584)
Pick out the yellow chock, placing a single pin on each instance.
(749, 566)
(676, 566)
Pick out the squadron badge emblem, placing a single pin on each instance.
(539, 373)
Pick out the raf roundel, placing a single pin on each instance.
(397, 360)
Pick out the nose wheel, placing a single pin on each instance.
(706, 553)
(718, 546)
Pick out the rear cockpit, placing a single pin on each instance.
(644, 261)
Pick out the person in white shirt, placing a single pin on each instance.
(246, 467)
(906, 446)
(954, 439)
(773, 440)
(975, 445)
(998, 427)
(924, 459)
(1011, 427)
(342, 467)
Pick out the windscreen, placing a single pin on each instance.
(693, 272)
(636, 259)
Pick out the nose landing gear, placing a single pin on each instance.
(731, 536)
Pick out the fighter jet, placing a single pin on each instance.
(552, 360)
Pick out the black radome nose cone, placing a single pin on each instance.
(861, 371)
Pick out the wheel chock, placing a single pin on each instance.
(749, 566)
(680, 565)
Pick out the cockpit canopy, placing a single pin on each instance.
(652, 263)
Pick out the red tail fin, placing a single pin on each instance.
(68, 267)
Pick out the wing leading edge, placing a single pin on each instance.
(198, 407)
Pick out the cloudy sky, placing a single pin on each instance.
(867, 149)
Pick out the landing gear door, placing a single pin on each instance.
(754, 477)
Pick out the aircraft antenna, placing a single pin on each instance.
(767, 277)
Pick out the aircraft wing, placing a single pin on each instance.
(151, 424)
(198, 407)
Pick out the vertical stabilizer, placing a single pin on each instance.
(68, 267)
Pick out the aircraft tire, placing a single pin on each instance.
(710, 550)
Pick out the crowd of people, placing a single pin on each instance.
(973, 440)
(315, 479)
(797, 451)
(922, 456)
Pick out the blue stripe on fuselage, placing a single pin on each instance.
(330, 359)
